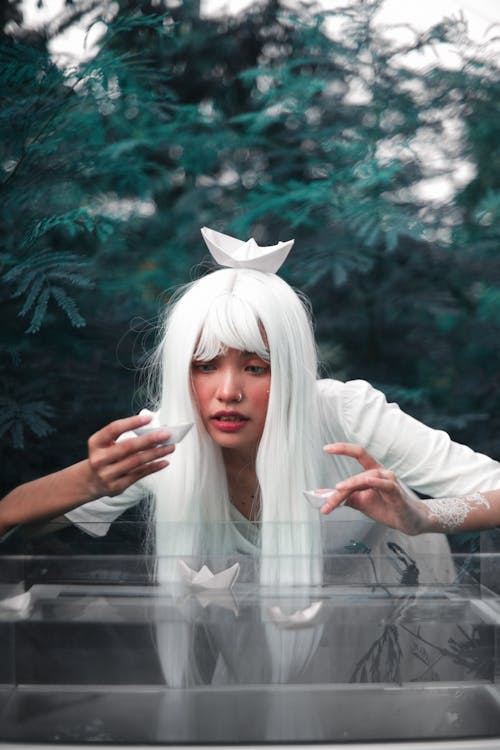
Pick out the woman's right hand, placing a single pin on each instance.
(112, 466)
(116, 464)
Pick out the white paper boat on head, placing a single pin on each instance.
(302, 618)
(233, 253)
(204, 579)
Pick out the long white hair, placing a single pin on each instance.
(235, 309)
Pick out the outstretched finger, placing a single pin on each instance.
(130, 462)
(358, 492)
(132, 445)
(112, 431)
(371, 479)
(335, 500)
(354, 451)
(122, 483)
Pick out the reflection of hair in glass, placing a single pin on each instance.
(213, 646)
(234, 308)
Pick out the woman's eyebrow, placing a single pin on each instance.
(250, 355)
(204, 360)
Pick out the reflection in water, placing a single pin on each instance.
(227, 639)
(382, 662)
(412, 650)
(356, 639)
(219, 645)
(169, 664)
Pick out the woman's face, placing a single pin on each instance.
(232, 393)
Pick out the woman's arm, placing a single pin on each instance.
(379, 494)
(425, 459)
(473, 512)
(110, 468)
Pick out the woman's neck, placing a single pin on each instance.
(243, 485)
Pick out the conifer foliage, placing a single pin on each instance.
(285, 120)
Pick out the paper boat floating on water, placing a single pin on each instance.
(224, 599)
(19, 603)
(302, 618)
(190, 601)
(233, 253)
(204, 579)
(177, 432)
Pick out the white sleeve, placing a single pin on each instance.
(97, 516)
(424, 458)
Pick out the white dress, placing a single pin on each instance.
(427, 460)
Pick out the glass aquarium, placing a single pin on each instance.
(94, 650)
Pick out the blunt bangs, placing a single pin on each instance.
(231, 323)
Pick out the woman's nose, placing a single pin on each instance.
(230, 389)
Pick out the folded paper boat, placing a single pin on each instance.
(317, 499)
(191, 600)
(204, 579)
(177, 432)
(233, 253)
(302, 618)
(19, 603)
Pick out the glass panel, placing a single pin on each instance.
(392, 645)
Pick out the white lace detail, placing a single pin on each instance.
(451, 512)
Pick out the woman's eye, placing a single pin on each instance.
(258, 369)
(204, 366)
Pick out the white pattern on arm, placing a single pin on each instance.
(451, 512)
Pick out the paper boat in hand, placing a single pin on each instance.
(177, 432)
(302, 618)
(204, 579)
(233, 253)
(316, 498)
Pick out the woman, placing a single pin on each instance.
(237, 358)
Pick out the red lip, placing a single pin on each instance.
(224, 413)
(235, 424)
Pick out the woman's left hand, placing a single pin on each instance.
(376, 492)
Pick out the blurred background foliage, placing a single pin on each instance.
(282, 121)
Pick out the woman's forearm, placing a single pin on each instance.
(47, 497)
(112, 466)
(473, 512)
(379, 494)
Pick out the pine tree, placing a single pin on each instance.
(273, 123)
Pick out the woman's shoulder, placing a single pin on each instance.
(350, 405)
(345, 390)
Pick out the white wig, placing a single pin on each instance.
(232, 308)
